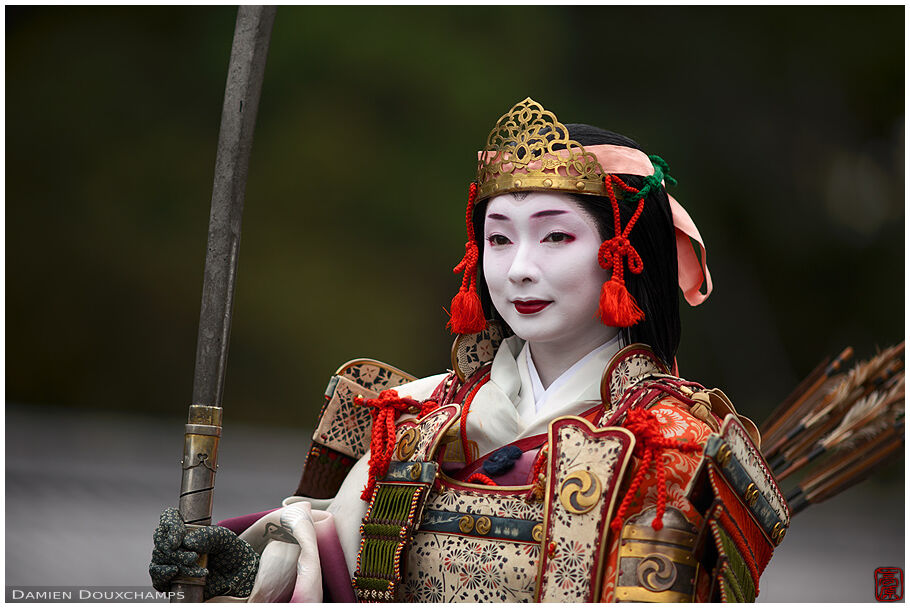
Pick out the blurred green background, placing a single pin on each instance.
(783, 125)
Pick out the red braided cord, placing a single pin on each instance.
(650, 444)
(608, 185)
(464, 419)
(658, 522)
(426, 407)
(390, 416)
(466, 315)
(482, 479)
(644, 465)
(472, 195)
(537, 488)
(638, 210)
(386, 408)
(613, 250)
(468, 263)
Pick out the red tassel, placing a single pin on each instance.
(617, 306)
(467, 313)
(466, 316)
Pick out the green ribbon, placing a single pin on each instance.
(655, 180)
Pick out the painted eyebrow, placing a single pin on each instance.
(539, 214)
(547, 213)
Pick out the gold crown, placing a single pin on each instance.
(529, 149)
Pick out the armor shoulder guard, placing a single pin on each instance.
(745, 514)
(636, 377)
(342, 432)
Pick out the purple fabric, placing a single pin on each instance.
(238, 524)
(335, 576)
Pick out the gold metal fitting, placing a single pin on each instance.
(483, 524)
(415, 470)
(466, 524)
(723, 455)
(529, 149)
(537, 532)
(580, 492)
(205, 415)
(656, 572)
(778, 532)
(751, 494)
(408, 443)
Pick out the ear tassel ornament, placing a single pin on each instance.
(617, 306)
(467, 312)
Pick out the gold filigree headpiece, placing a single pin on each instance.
(529, 149)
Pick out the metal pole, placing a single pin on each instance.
(238, 119)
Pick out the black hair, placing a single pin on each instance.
(655, 289)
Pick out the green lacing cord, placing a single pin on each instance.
(394, 513)
(365, 582)
(367, 557)
(402, 503)
(391, 506)
(392, 503)
(382, 497)
(388, 557)
(732, 592)
(738, 566)
(655, 180)
(389, 530)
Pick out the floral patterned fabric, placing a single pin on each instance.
(630, 369)
(455, 568)
(448, 568)
(473, 351)
(482, 503)
(374, 375)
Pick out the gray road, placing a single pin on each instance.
(83, 494)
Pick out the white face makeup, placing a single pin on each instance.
(540, 266)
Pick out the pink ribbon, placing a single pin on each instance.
(692, 272)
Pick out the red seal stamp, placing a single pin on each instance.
(889, 584)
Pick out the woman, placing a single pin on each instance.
(560, 460)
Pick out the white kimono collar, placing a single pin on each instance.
(542, 395)
(503, 409)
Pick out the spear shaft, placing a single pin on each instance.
(238, 119)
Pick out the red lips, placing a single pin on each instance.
(531, 306)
